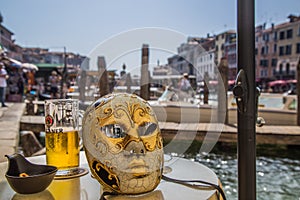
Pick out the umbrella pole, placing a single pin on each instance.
(247, 116)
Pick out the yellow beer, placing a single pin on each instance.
(62, 149)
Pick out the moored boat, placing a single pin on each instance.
(275, 109)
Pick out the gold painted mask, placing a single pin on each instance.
(123, 144)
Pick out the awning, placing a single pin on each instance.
(29, 66)
(10, 61)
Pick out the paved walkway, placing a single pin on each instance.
(9, 128)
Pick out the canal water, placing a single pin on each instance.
(277, 167)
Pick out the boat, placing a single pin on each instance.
(275, 109)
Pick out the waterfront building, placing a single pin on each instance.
(277, 50)
(288, 35)
(205, 64)
(265, 53)
(220, 41)
(7, 42)
(184, 60)
(6, 36)
(194, 57)
(230, 54)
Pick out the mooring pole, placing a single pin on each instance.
(103, 77)
(246, 95)
(145, 76)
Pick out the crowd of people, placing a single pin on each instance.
(17, 83)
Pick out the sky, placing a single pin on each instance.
(95, 27)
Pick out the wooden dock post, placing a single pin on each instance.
(82, 86)
(128, 83)
(145, 75)
(222, 98)
(206, 91)
(103, 77)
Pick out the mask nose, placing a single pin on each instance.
(136, 148)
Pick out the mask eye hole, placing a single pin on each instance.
(113, 131)
(147, 128)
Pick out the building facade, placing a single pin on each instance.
(278, 50)
(288, 44)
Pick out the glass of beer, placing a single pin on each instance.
(62, 139)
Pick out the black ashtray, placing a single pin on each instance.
(27, 178)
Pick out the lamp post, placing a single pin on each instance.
(64, 74)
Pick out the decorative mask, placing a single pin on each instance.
(123, 144)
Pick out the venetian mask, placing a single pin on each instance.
(123, 144)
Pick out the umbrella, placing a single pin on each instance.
(29, 66)
(11, 61)
(292, 81)
(278, 82)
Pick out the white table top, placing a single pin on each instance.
(87, 188)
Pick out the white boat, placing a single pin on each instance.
(275, 109)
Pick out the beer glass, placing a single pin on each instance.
(62, 136)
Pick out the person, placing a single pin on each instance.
(3, 84)
(30, 80)
(54, 81)
(184, 83)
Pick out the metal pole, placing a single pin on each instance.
(298, 92)
(64, 75)
(247, 119)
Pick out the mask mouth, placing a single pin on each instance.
(138, 168)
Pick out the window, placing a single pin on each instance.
(298, 48)
(288, 49)
(264, 63)
(280, 68)
(263, 50)
(275, 35)
(289, 33)
(281, 51)
(281, 35)
(266, 37)
(274, 62)
(263, 73)
(287, 68)
(275, 48)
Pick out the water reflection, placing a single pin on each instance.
(277, 178)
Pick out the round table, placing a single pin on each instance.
(88, 188)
